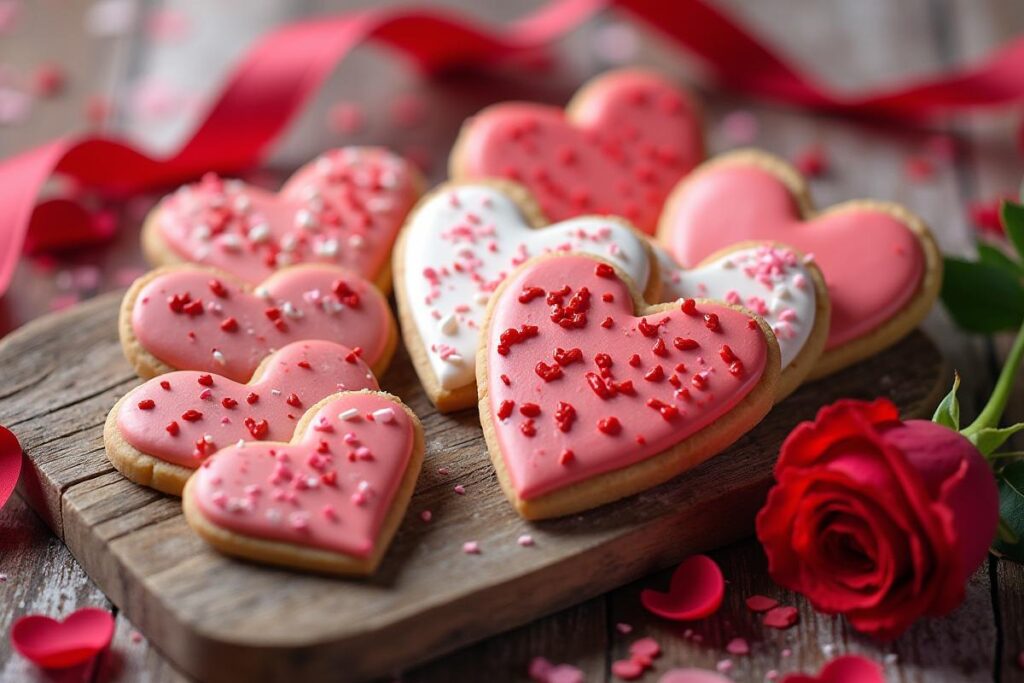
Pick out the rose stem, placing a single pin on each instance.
(993, 410)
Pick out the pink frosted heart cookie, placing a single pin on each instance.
(193, 318)
(881, 265)
(159, 432)
(458, 245)
(330, 500)
(774, 281)
(618, 148)
(343, 208)
(587, 394)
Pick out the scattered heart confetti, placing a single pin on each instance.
(10, 464)
(693, 676)
(54, 644)
(845, 669)
(761, 603)
(695, 591)
(781, 617)
(738, 646)
(627, 669)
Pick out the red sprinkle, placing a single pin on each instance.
(711, 322)
(634, 360)
(529, 410)
(604, 270)
(528, 428)
(506, 381)
(659, 348)
(218, 288)
(609, 425)
(252, 398)
(655, 374)
(304, 364)
(228, 402)
(684, 344)
(607, 323)
(293, 400)
(530, 293)
(689, 307)
(566, 457)
(258, 429)
(229, 324)
(647, 329)
(147, 404)
(505, 409)
(205, 380)
(165, 385)
(563, 357)
(546, 372)
(512, 336)
(191, 415)
(726, 353)
(565, 414)
(172, 428)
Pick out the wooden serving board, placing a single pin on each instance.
(220, 619)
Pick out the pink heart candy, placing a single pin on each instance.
(695, 591)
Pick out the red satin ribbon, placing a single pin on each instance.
(283, 69)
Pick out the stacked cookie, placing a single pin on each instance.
(602, 362)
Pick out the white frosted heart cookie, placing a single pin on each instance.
(458, 245)
(778, 283)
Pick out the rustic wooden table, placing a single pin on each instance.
(156, 72)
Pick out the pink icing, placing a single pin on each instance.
(296, 304)
(294, 378)
(704, 388)
(331, 490)
(344, 208)
(630, 138)
(873, 263)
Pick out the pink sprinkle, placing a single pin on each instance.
(136, 637)
(724, 665)
(426, 516)
(740, 127)
(565, 673)
(526, 540)
(471, 548)
(623, 628)
(15, 106)
(345, 118)
(539, 669)
(443, 471)
(771, 675)
(460, 489)
(737, 646)
(786, 652)
(645, 647)
(627, 669)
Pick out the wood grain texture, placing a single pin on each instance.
(218, 618)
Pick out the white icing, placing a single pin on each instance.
(787, 294)
(483, 232)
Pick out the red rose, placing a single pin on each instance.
(877, 519)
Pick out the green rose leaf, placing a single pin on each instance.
(993, 256)
(987, 440)
(982, 297)
(948, 412)
(1012, 215)
(1011, 511)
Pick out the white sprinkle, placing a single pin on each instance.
(526, 540)
(208, 438)
(289, 242)
(328, 248)
(449, 325)
(290, 310)
(219, 357)
(385, 415)
(356, 241)
(202, 233)
(275, 392)
(259, 232)
(481, 297)
(305, 220)
(242, 203)
(274, 516)
(348, 415)
(240, 443)
(263, 293)
(230, 241)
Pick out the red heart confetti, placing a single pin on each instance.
(845, 669)
(695, 591)
(781, 617)
(10, 464)
(761, 603)
(54, 644)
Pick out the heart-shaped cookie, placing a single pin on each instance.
(881, 265)
(159, 432)
(330, 500)
(618, 148)
(193, 318)
(343, 208)
(457, 247)
(587, 394)
(779, 284)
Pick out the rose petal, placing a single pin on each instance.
(627, 669)
(10, 464)
(760, 603)
(845, 669)
(781, 617)
(695, 591)
(54, 644)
